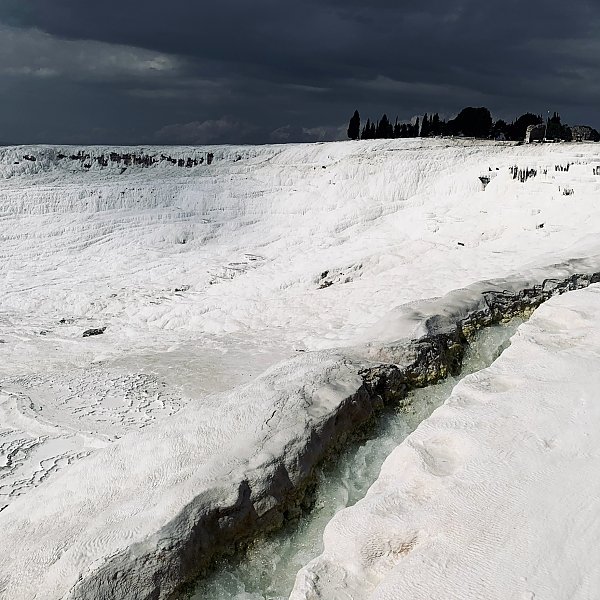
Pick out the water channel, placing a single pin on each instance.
(268, 569)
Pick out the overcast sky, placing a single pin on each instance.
(220, 71)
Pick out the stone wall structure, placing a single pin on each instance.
(535, 133)
(584, 133)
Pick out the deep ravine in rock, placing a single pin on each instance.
(268, 569)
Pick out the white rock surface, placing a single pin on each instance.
(103, 246)
(124, 508)
(206, 276)
(496, 495)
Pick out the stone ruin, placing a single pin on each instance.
(584, 133)
(535, 133)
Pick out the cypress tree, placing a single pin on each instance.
(425, 130)
(384, 128)
(554, 128)
(435, 125)
(354, 126)
(366, 132)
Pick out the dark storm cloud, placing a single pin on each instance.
(279, 70)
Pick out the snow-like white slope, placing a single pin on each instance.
(497, 494)
(116, 517)
(204, 277)
(135, 519)
(384, 219)
(286, 248)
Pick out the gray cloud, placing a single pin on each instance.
(272, 68)
(33, 53)
(226, 130)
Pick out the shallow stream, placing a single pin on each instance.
(268, 569)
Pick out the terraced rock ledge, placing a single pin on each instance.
(138, 519)
(495, 495)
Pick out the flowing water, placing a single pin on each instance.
(268, 570)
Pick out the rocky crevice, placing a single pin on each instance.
(440, 353)
(278, 489)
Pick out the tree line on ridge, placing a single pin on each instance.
(470, 122)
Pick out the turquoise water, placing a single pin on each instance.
(268, 570)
